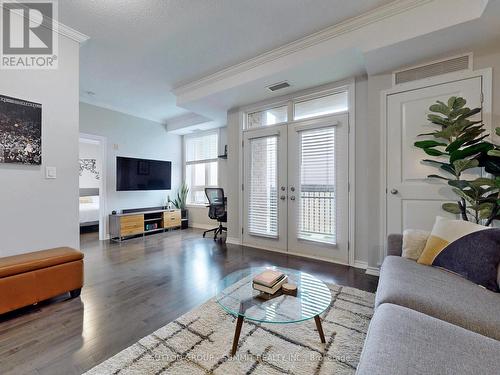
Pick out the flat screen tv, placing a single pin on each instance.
(142, 174)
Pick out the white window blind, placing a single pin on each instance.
(317, 185)
(263, 195)
(201, 147)
(201, 165)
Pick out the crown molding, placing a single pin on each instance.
(352, 24)
(59, 28)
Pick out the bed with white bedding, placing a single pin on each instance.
(89, 210)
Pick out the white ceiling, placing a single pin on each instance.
(140, 49)
(464, 37)
(401, 33)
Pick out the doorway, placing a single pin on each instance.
(92, 184)
(295, 191)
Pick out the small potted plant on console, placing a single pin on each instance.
(179, 202)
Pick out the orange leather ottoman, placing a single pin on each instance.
(29, 278)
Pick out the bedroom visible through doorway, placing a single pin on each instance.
(92, 184)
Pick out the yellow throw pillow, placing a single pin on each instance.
(444, 232)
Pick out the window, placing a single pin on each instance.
(201, 165)
(302, 108)
(322, 106)
(267, 117)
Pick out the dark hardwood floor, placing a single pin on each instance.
(131, 289)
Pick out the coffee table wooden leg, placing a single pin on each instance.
(237, 332)
(317, 319)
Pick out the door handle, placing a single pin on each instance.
(292, 198)
(394, 191)
(283, 197)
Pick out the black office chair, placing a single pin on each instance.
(216, 209)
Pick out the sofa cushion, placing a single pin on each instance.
(475, 256)
(440, 294)
(27, 262)
(414, 241)
(444, 232)
(403, 341)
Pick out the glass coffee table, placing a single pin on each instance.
(236, 295)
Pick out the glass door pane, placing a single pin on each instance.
(264, 188)
(263, 194)
(317, 185)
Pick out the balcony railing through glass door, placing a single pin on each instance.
(317, 211)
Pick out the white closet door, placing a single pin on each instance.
(413, 200)
(265, 213)
(318, 188)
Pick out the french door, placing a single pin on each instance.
(296, 188)
(318, 202)
(265, 200)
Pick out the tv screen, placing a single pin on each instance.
(142, 174)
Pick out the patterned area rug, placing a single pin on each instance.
(199, 343)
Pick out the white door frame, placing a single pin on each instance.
(485, 74)
(344, 85)
(103, 222)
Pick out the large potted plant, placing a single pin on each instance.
(179, 202)
(457, 146)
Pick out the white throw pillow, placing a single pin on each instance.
(414, 241)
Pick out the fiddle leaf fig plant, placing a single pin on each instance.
(459, 145)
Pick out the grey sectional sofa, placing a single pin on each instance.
(429, 321)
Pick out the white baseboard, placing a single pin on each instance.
(300, 255)
(374, 271)
(360, 264)
(202, 226)
(233, 240)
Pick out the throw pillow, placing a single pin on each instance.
(444, 232)
(475, 256)
(414, 241)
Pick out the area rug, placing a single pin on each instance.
(199, 343)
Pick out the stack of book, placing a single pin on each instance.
(269, 281)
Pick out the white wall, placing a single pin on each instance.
(90, 151)
(233, 169)
(132, 137)
(369, 235)
(36, 213)
(486, 57)
(368, 166)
